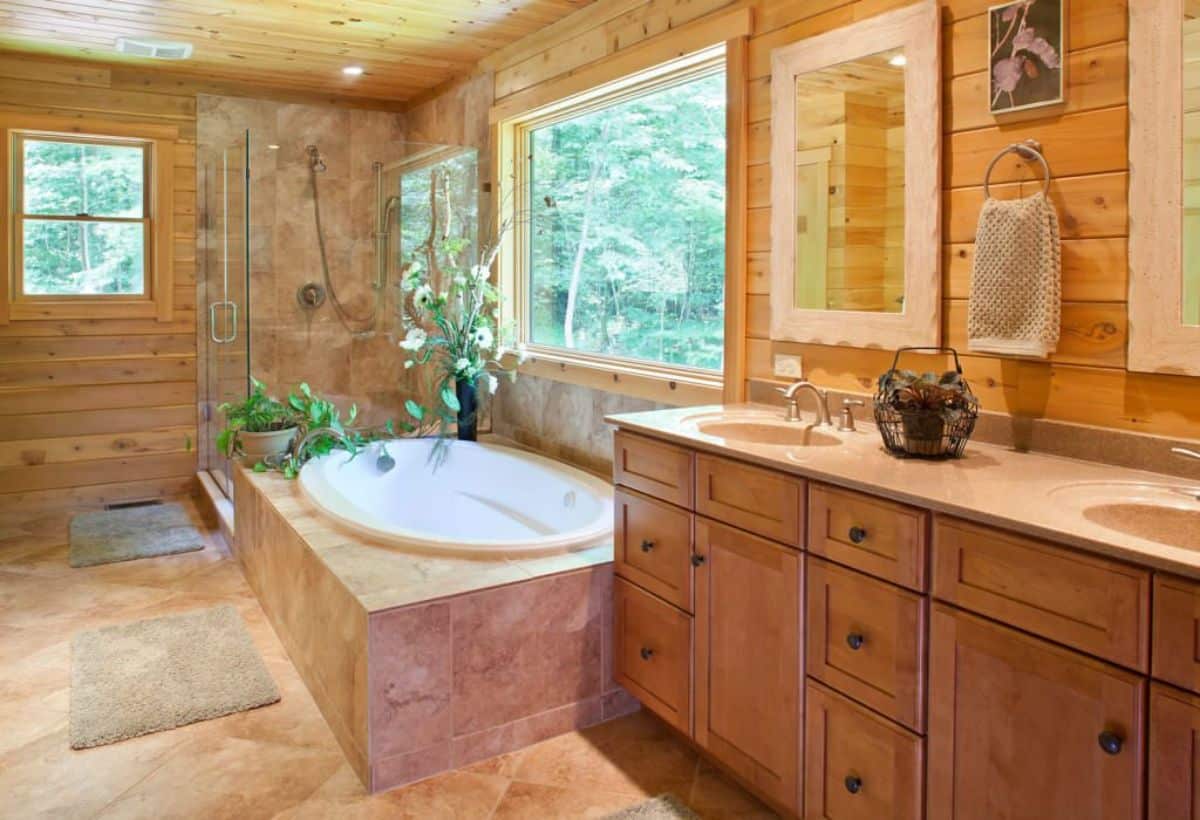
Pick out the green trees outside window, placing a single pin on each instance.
(626, 234)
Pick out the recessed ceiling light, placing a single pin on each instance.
(898, 60)
(272, 147)
(352, 70)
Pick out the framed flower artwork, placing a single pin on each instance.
(1026, 41)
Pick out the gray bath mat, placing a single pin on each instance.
(142, 677)
(135, 532)
(663, 807)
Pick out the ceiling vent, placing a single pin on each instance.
(156, 49)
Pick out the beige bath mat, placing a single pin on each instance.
(109, 536)
(663, 807)
(142, 677)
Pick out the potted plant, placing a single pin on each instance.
(452, 324)
(258, 427)
(928, 406)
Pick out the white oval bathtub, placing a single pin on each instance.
(481, 499)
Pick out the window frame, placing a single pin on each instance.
(158, 145)
(638, 377)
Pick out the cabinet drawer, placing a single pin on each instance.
(1177, 631)
(866, 639)
(1092, 604)
(652, 651)
(760, 501)
(653, 546)
(881, 538)
(653, 467)
(859, 766)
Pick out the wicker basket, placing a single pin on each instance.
(927, 433)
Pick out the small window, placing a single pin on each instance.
(81, 216)
(621, 258)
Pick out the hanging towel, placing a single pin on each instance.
(1016, 280)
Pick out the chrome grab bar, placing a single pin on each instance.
(230, 324)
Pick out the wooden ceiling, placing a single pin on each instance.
(405, 46)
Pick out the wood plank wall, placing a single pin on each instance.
(96, 411)
(1086, 380)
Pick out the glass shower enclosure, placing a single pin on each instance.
(301, 250)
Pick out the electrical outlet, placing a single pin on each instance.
(789, 367)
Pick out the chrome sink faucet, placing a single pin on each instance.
(793, 402)
(1185, 452)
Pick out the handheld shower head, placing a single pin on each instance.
(315, 162)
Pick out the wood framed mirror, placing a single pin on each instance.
(1164, 186)
(856, 183)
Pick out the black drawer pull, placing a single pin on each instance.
(1111, 743)
(647, 545)
(697, 560)
(647, 653)
(855, 641)
(858, 535)
(853, 783)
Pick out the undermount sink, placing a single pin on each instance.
(1164, 513)
(779, 434)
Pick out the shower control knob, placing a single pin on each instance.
(697, 560)
(647, 545)
(647, 653)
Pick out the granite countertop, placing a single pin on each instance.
(998, 486)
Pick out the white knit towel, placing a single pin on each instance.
(1016, 280)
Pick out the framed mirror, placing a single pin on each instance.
(1164, 186)
(856, 184)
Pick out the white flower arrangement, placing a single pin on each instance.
(456, 331)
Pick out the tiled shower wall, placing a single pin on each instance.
(290, 344)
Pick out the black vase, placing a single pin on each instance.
(468, 406)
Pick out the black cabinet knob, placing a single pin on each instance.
(647, 545)
(1111, 743)
(858, 535)
(855, 641)
(697, 560)
(647, 653)
(853, 783)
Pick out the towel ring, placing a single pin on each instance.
(1029, 149)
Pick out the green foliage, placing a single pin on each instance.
(257, 413)
(70, 178)
(627, 228)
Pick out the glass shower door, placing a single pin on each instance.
(226, 249)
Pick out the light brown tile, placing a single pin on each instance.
(409, 652)
(532, 801)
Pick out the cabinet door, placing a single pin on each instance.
(748, 675)
(1021, 729)
(652, 653)
(1174, 754)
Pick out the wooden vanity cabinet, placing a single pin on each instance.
(1025, 730)
(748, 656)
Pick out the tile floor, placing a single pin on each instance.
(279, 761)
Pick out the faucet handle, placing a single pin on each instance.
(846, 422)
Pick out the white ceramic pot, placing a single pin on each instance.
(258, 446)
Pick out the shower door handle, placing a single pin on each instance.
(231, 316)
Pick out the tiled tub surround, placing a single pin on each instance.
(991, 485)
(422, 664)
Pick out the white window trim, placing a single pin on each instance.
(648, 379)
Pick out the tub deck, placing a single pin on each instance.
(422, 663)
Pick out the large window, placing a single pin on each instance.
(81, 216)
(621, 254)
